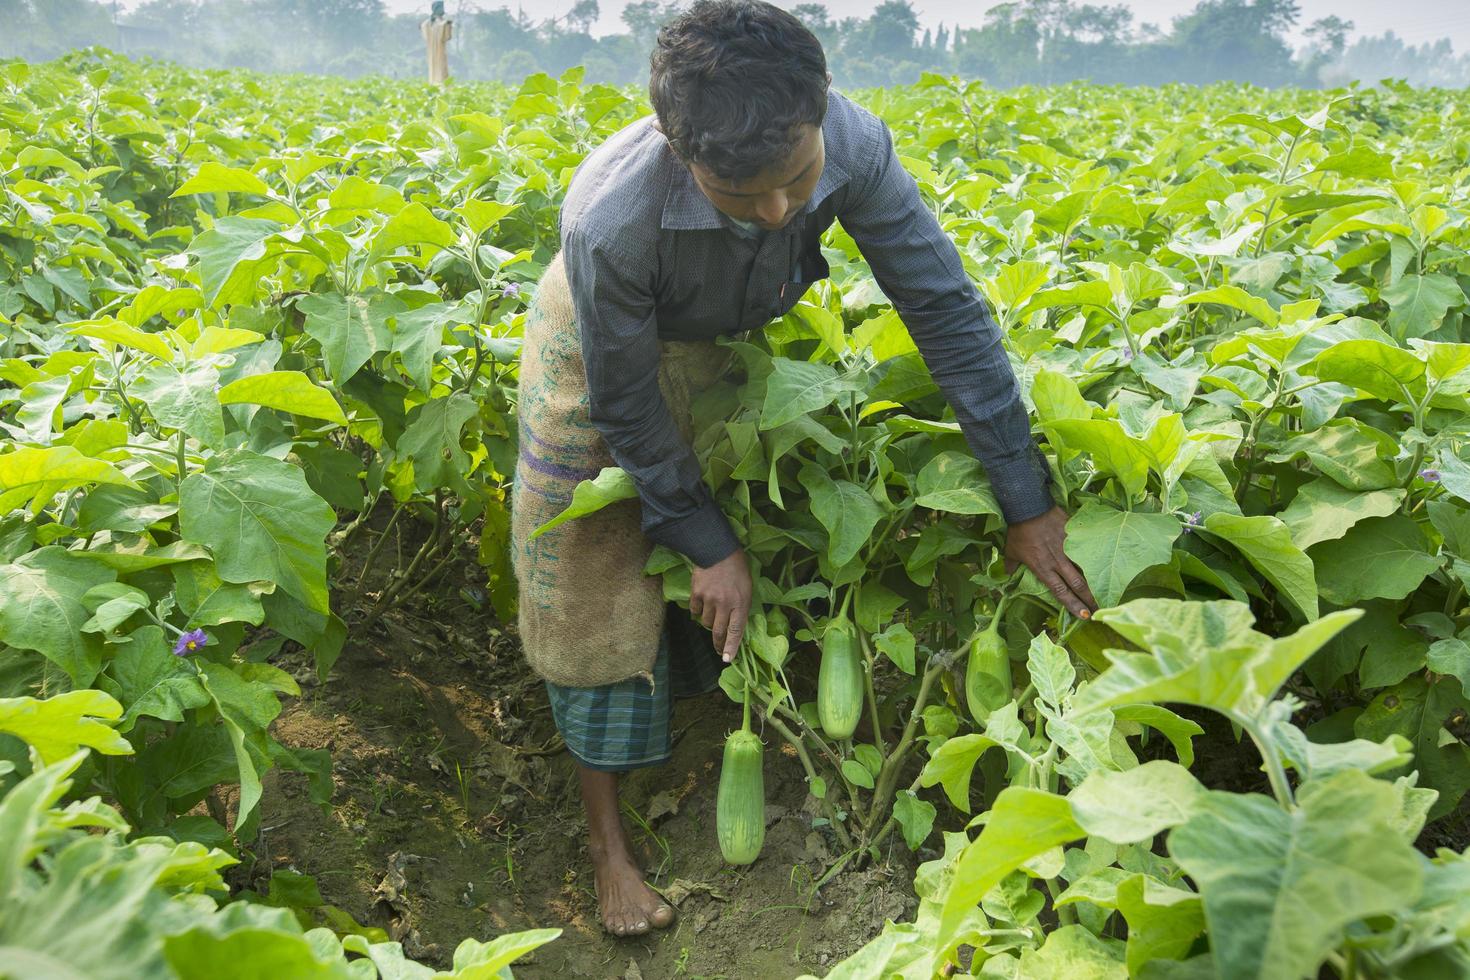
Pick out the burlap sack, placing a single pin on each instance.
(588, 614)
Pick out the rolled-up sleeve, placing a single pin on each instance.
(919, 270)
(620, 348)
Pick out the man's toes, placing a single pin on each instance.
(662, 916)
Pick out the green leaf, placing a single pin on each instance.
(112, 604)
(1163, 922)
(609, 486)
(41, 609)
(915, 817)
(897, 643)
(432, 441)
(350, 329)
(475, 960)
(233, 256)
(1113, 546)
(1022, 824)
(59, 725)
(1388, 373)
(183, 400)
(1324, 510)
(1418, 304)
(857, 774)
(212, 177)
(952, 764)
(1075, 953)
(288, 391)
(262, 522)
(1132, 806)
(846, 510)
(413, 225)
(1451, 656)
(1383, 557)
(1266, 543)
(1202, 653)
(1280, 887)
(955, 483)
(1237, 299)
(117, 332)
(1112, 449)
(1418, 711)
(481, 215)
(208, 600)
(27, 469)
(149, 680)
(796, 388)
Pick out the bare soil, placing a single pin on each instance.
(456, 814)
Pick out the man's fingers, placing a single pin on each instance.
(735, 632)
(1052, 579)
(1077, 582)
(721, 627)
(696, 606)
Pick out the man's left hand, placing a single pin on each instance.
(1037, 544)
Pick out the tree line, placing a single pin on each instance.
(1026, 42)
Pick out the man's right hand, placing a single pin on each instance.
(719, 597)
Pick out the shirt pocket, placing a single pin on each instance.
(811, 268)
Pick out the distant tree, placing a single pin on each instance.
(645, 17)
(582, 16)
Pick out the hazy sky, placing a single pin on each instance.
(1413, 20)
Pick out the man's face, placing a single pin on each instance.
(774, 196)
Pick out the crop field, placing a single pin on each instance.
(263, 711)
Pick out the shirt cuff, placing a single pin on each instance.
(1022, 486)
(704, 537)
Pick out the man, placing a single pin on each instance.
(437, 30)
(706, 221)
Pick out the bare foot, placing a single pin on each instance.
(629, 906)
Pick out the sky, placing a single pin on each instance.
(1415, 21)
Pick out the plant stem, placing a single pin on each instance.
(888, 776)
(806, 763)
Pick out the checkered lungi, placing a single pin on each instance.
(629, 725)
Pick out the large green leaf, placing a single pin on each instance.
(1384, 557)
(1022, 824)
(350, 329)
(1266, 543)
(1418, 304)
(1203, 653)
(1419, 711)
(1075, 953)
(846, 510)
(184, 399)
(1280, 886)
(795, 388)
(212, 177)
(149, 680)
(432, 441)
(1385, 372)
(28, 468)
(608, 487)
(57, 726)
(288, 391)
(955, 482)
(232, 255)
(1324, 510)
(41, 609)
(1112, 449)
(1132, 806)
(262, 522)
(1113, 546)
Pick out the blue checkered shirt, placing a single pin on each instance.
(649, 258)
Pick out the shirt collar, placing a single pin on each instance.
(686, 208)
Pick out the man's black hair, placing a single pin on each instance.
(731, 80)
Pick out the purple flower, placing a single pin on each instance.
(1429, 476)
(512, 291)
(1192, 521)
(189, 642)
(1127, 354)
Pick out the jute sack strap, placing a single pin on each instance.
(588, 614)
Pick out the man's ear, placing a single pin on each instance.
(829, 79)
(658, 126)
